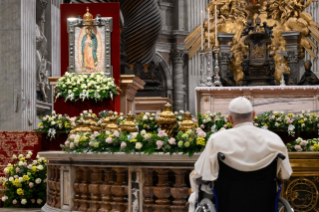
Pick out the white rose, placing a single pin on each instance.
(9, 164)
(40, 160)
(38, 181)
(147, 113)
(115, 113)
(53, 112)
(30, 153)
(121, 114)
(4, 198)
(38, 156)
(39, 201)
(40, 167)
(20, 163)
(6, 171)
(143, 132)
(153, 114)
(21, 156)
(10, 179)
(147, 137)
(14, 157)
(145, 117)
(134, 135)
(85, 112)
(20, 179)
(90, 111)
(28, 156)
(151, 118)
(176, 113)
(53, 123)
(24, 201)
(138, 145)
(181, 111)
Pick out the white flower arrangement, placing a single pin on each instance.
(95, 86)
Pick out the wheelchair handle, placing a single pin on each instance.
(221, 156)
(281, 156)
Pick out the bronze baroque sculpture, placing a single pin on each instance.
(282, 16)
(308, 78)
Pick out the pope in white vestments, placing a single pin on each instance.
(246, 147)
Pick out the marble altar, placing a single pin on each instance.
(264, 98)
(105, 182)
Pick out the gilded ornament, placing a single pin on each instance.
(112, 125)
(129, 125)
(106, 121)
(88, 18)
(302, 194)
(167, 119)
(187, 123)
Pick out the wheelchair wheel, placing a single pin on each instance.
(284, 206)
(205, 205)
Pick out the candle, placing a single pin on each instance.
(202, 30)
(208, 29)
(215, 25)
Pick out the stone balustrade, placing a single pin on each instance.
(129, 183)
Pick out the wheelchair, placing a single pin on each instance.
(237, 191)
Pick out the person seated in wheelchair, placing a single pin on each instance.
(241, 164)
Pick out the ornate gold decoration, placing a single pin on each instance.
(167, 119)
(88, 18)
(187, 123)
(93, 124)
(106, 121)
(233, 17)
(302, 194)
(112, 125)
(129, 125)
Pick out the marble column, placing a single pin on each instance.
(292, 52)
(178, 79)
(224, 52)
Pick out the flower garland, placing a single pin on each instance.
(300, 145)
(95, 86)
(25, 182)
(188, 142)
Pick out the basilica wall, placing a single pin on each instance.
(313, 10)
(30, 52)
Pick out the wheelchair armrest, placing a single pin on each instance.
(279, 181)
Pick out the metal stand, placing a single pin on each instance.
(209, 80)
(217, 81)
(282, 54)
(202, 81)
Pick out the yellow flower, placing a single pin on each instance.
(196, 125)
(256, 117)
(20, 191)
(93, 114)
(9, 168)
(16, 183)
(144, 125)
(40, 124)
(4, 184)
(300, 121)
(67, 125)
(45, 160)
(133, 140)
(34, 168)
(228, 124)
(111, 135)
(200, 141)
(190, 139)
(22, 159)
(26, 178)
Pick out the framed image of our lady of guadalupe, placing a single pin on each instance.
(90, 44)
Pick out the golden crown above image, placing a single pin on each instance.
(88, 18)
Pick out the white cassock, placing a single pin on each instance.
(246, 148)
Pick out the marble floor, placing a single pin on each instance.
(20, 209)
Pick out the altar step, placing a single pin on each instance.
(20, 209)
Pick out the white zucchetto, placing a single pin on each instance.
(240, 105)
